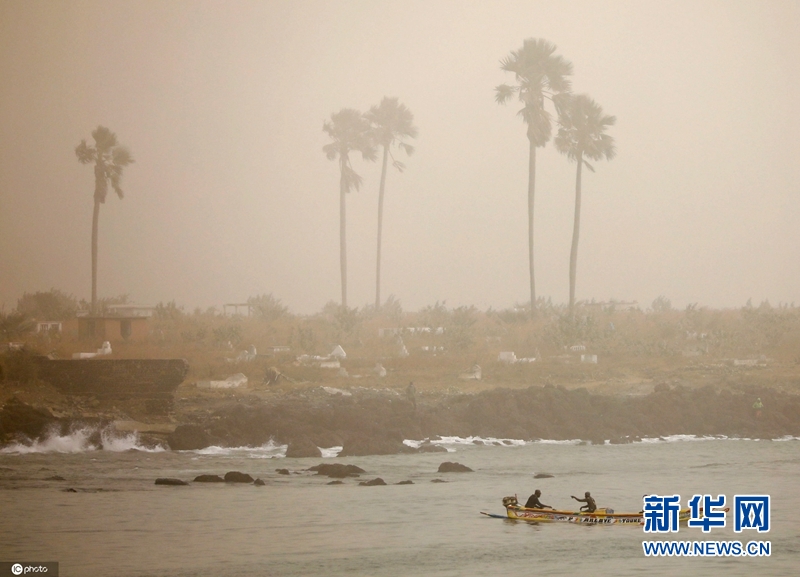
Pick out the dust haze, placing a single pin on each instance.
(222, 107)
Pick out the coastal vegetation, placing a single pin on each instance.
(432, 346)
(601, 371)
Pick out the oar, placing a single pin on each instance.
(493, 516)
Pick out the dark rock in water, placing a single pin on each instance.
(438, 481)
(543, 476)
(335, 483)
(259, 483)
(374, 482)
(69, 490)
(237, 477)
(337, 470)
(303, 447)
(431, 448)
(55, 478)
(209, 479)
(409, 482)
(282, 471)
(188, 438)
(448, 467)
(95, 440)
(151, 441)
(168, 481)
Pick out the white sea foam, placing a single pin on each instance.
(80, 440)
(269, 450)
(559, 442)
(450, 442)
(445, 441)
(690, 438)
(330, 452)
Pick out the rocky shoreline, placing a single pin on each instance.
(375, 422)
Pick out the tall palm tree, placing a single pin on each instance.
(581, 135)
(349, 131)
(391, 123)
(540, 75)
(109, 160)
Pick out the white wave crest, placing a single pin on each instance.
(689, 438)
(443, 441)
(81, 440)
(330, 452)
(269, 450)
(559, 442)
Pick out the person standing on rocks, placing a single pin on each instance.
(411, 394)
(757, 406)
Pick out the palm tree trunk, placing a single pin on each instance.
(576, 230)
(342, 235)
(380, 229)
(95, 220)
(531, 190)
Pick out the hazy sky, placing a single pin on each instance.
(222, 105)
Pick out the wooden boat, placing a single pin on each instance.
(600, 517)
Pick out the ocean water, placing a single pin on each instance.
(119, 523)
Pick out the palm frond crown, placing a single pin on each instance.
(392, 122)
(540, 75)
(349, 131)
(109, 158)
(582, 130)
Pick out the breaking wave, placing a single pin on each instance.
(449, 442)
(269, 450)
(81, 440)
(689, 438)
(560, 442)
(330, 452)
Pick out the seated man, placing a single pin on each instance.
(590, 506)
(534, 503)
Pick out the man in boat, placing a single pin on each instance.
(590, 506)
(534, 503)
